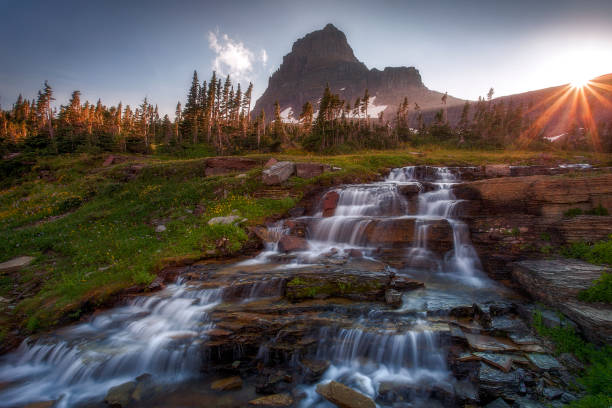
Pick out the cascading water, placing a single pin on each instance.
(158, 334)
(364, 359)
(163, 334)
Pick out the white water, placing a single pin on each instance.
(162, 334)
(158, 334)
(360, 205)
(363, 359)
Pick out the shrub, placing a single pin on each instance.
(600, 291)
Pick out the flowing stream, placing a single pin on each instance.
(162, 334)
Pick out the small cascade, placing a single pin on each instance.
(363, 359)
(367, 210)
(159, 335)
(440, 203)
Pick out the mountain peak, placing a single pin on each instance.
(324, 57)
(329, 44)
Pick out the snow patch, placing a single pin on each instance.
(287, 116)
(555, 138)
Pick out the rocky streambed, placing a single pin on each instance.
(374, 296)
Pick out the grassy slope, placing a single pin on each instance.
(105, 239)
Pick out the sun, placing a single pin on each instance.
(579, 81)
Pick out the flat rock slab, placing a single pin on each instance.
(500, 361)
(557, 282)
(343, 396)
(481, 342)
(225, 384)
(544, 361)
(275, 400)
(16, 264)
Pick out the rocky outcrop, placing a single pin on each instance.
(325, 57)
(330, 202)
(343, 396)
(403, 233)
(514, 218)
(216, 166)
(278, 173)
(16, 264)
(290, 243)
(539, 195)
(309, 170)
(557, 282)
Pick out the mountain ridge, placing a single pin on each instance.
(325, 57)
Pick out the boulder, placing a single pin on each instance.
(270, 163)
(290, 243)
(343, 396)
(278, 173)
(314, 369)
(330, 202)
(120, 395)
(275, 400)
(309, 170)
(226, 384)
(556, 282)
(393, 297)
(16, 264)
(109, 160)
(216, 166)
(230, 219)
(402, 233)
(497, 170)
(409, 189)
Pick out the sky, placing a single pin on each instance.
(126, 50)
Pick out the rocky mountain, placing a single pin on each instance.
(325, 57)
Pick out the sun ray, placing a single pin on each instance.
(548, 99)
(605, 87)
(599, 97)
(590, 124)
(545, 116)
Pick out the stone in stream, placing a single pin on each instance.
(393, 298)
(278, 173)
(330, 202)
(16, 264)
(120, 395)
(289, 243)
(41, 404)
(314, 369)
(226, 384)
(343, 396)
(275, 400)
(409, 189)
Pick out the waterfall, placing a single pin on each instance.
(158, 334)
(364, 359)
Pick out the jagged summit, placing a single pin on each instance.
(325, 57)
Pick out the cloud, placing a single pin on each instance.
(263, 56)
(232, 58)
